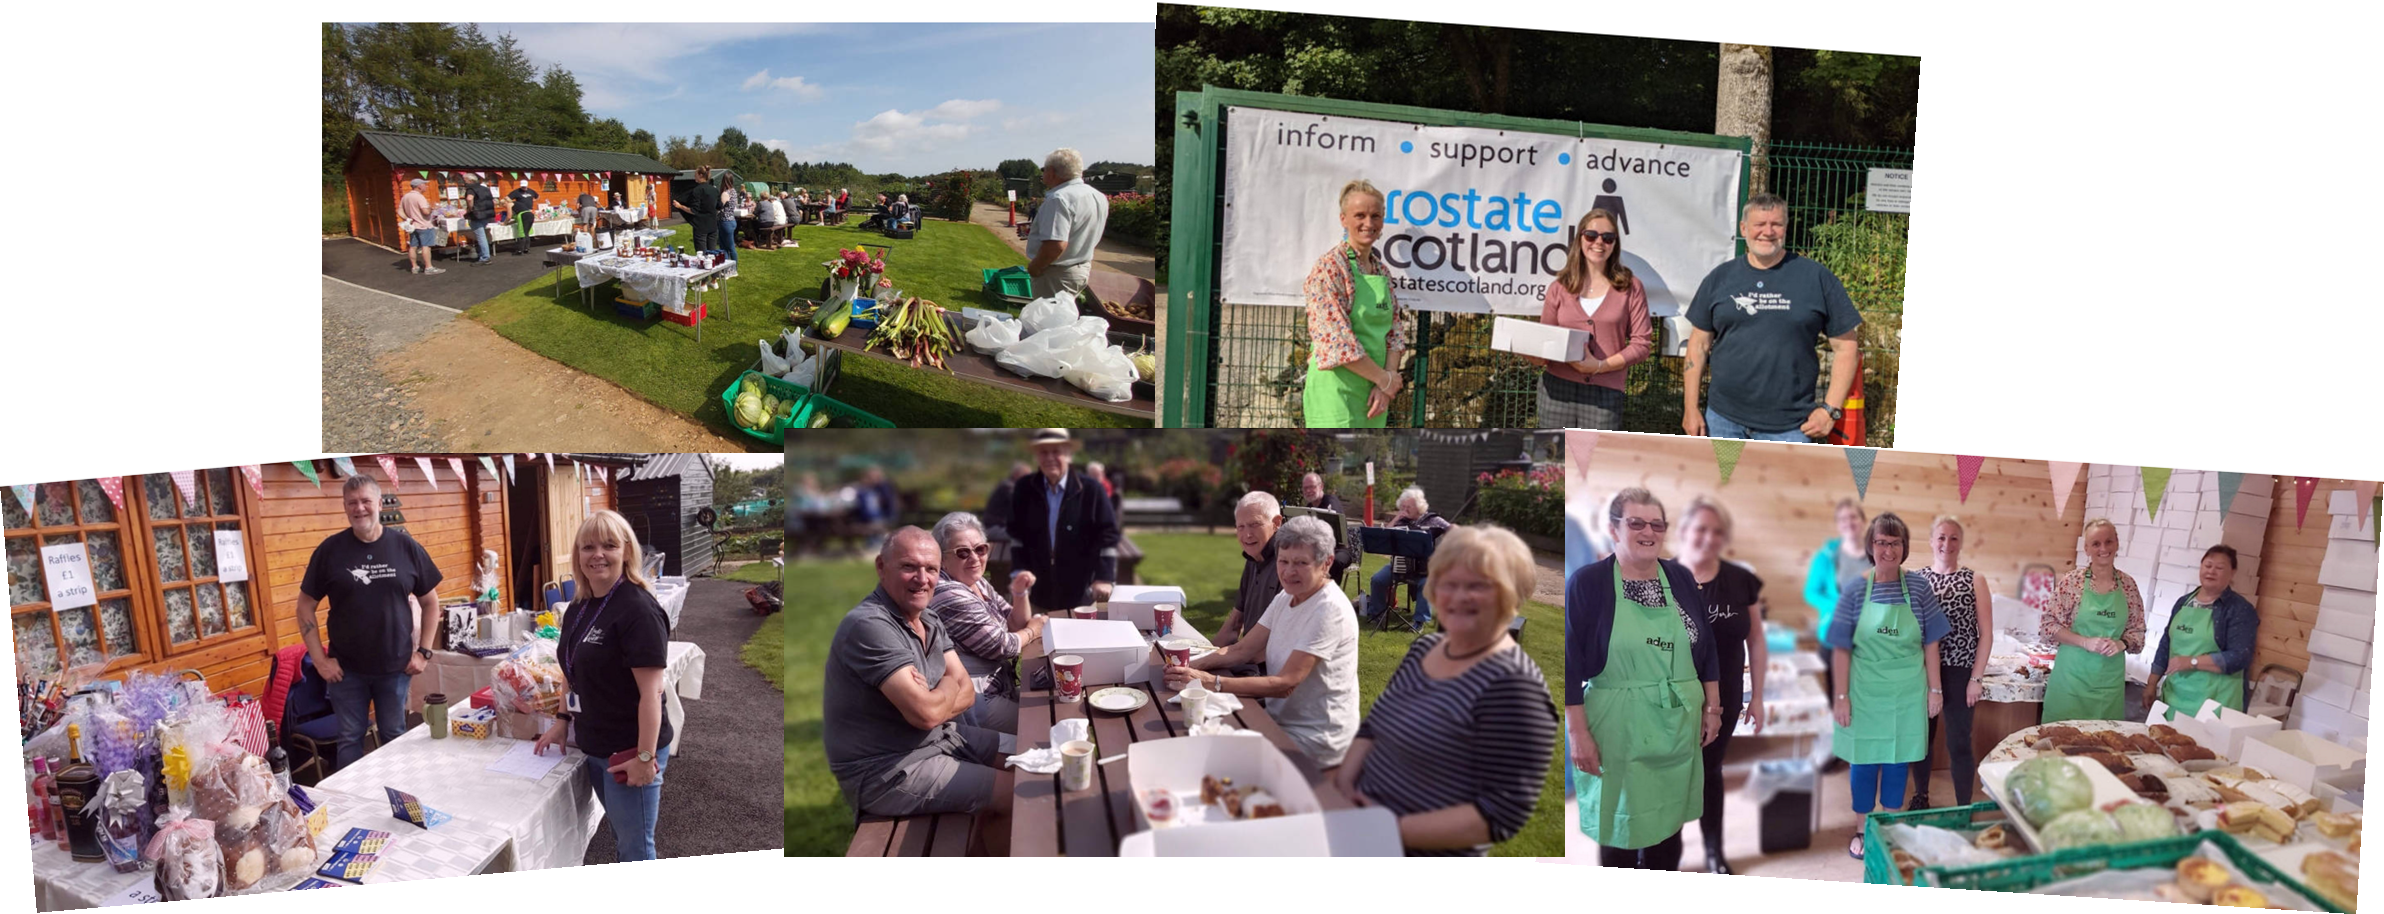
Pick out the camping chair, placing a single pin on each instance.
(309, 727)
(570, 589)
(1410, 552)
(551, 595)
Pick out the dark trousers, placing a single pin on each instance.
(1960, 755)
(368, 701)
(707, 233)
(1662, 855)
(1710, 824)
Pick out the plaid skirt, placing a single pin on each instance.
(1573, 404)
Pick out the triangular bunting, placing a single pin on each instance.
(2303, 488)
(24, 497)
(2065, 479)
(114, 486)
(1859, 460)
(2228, 482)
(187, 481)
(58, 494)
(346, 466)
(490, 466)
(1726, 452)
(509, 469)
(308, 467)
(256, 478)
(457, 464)
(389, 466)
(550, 462)
(2156, 485)
(1966, 470)
(428, 472)
(2366, 490)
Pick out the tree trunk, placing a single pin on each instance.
(1485, 59)
(1742, 106)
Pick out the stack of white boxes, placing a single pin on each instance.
(2333, 701)
(2164, 552)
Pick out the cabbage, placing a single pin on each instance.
(2144, 821)
(2078, 828)
(2043, 788)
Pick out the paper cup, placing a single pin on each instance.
(1087, 611)
(1067, 677)
(1163, 618)
(1076, 765)
(1179, 652)
(1195, 699)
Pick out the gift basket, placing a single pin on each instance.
(530, 679)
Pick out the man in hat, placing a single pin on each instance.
(413, 216)
(1062, 527)
(483, 205)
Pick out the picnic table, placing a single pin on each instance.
(970, 365)
(1045, 820)
(549, 820)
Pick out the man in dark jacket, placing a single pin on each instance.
(1062, 528)
(1313, 495)
(1414, 514)
(482, 204)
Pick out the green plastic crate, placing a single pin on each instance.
(2023, 874)
(1879, 865)
(774, 387)
(1009, 284)
(845, 414)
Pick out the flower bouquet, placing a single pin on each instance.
(852, 269)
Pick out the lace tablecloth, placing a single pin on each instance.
(662, 285)
(549, 820)
(504, 231)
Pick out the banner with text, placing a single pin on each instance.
(1475, 220)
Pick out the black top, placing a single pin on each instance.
(1332, 503)
(1085, 549)
(1730, 611)
(702, 200)
(603, 640)
(1589, 623)
(997, 505)
(522, 198)
(483, 204)
(1261, 581)
(371, 621)
(1482, 738)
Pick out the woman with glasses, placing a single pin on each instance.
(1641, 690)
(1884, 637)
(1595, 293)
(989, 631)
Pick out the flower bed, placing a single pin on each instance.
(1525, 502)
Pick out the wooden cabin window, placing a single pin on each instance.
(550, 187)
(70, 512)
(199, 609)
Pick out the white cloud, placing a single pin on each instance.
(795, 85)
(650, 52)
(919, 131)
(961, 109)
(1035, 121)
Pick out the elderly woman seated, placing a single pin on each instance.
(1414, 514)
(1308, 638)
(988, 630)
(1459, 741)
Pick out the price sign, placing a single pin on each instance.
(69, 574)
(231, 561)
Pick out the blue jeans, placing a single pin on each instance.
(480, 238)
(631, 809)
(728, 235)
(365, 698)
(1378, 597)
(1721, 426)
(1880, 784)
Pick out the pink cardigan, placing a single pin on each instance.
(1620, 324)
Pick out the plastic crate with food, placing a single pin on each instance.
(817, 409)
(770, 387)
(2024, 874)
(1879, 866)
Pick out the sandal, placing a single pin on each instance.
(1854, 848)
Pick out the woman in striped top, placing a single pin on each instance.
(1458, 744)
(1884, 637)
(989, 631)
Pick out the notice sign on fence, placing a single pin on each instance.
(1888, 191)
(231, 561)
(69, 574)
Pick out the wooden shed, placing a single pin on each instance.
(162, 606)
(661, 499)
(380, 163)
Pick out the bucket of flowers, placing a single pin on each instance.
(852, 272)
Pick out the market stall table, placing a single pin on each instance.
(503, 231)
(550, 820)
(652, 281)
(970, 365)
(457, 676)
(560, 257)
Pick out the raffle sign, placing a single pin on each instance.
(69, 575)
(231, 560)
(1476, 220)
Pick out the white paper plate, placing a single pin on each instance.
(1120, 700)
(2107, 790)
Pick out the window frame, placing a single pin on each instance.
(192, 582)
(132, 554)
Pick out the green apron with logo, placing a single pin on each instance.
(1336, 397)
(2085, 685)
(2193, 631)
(1890, 689)
(1646, 710)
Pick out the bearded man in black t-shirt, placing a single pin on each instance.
(378, 581)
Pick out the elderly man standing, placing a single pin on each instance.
(1759, 316)
(1067, 228)
(378, 582)
(413, 217)
(895, 689)
(1255, 519)
(1062, 528)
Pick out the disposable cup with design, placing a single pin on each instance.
(1195, 699)
(1067, 676)
(1076, 765)
(1087, 611)
(1163, 618)
(1178, 651)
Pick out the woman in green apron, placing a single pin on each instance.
(2097, 617)
(2208, 643)
(1353, 323)
(1884, 639)
(1641, 696)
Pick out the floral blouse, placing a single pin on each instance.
(1328, 292)
(2072, 588)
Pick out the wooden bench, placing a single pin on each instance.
(944, 835)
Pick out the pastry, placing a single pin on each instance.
(2112, 740)
(2239, 896)
(1995, 838)
(2051, 731)
(2172, 738)
(2258, 820)
(2191, 752)
(1213, 789)
(2335, 824)
(2146, 785)
(2298, 802)
(1259, 804)
(2113, 762)
(2200, 877)
(1906, 864)
(2138, 742)
(2334, 875)
(2236, 773)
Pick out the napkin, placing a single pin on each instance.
(1219, 702)
(1216, 726)
(1047, 760)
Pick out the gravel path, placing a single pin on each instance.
(363, 410)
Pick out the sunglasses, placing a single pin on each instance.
(1609, 238)
(980, 550)
(1637, 524)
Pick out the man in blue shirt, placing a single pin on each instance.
(1759, 317)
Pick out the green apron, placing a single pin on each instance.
(2192, 633)
(1890, 689)
(2085, 685)
(1336, 397)
(1646, 710)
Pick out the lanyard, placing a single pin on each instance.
(570, 654)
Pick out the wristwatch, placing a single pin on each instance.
(424, 651)
(1835, 414)
(646, 756)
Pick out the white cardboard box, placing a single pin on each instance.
(2346, 623)
(2349, 564)
(1134, 602)
(1114, 652)
(2193, 729)
(1369, 832)
(1536, 339)
(2305, 760)
(2317, 717)
(2234, 727)
(2337, 647)
(1178, 765)
(2332, 691)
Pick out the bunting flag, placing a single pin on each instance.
(2366, 491)
(2303, 488)
(347, 467)
(550, 462)
(2156, 485)
(59, 494)
(2065, 479)
(256, 478)
(491, 465)
(114, 486)
(1726, 451)
(389, 466)
(24, 497)
(1968, 467)
(188, 482)
(1860, 460)
(428, 472)
(2228, 482)
(1578, 446)
(308, 467)
(509, 469)
(457, 464)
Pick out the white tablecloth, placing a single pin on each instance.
(459, 675)
(673, 597)
(504, 231)
(549, 820)
(662, 285)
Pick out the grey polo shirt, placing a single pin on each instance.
(868, 740)
(1075, 213)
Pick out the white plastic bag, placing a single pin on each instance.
(1107, 373)
(772, 364)
(1048, 313)
(1096, 327)
(994, 335)
(1041, 355)
(803, 374)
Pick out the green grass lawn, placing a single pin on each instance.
(1207, 566)
(753, 573)
(663, 362)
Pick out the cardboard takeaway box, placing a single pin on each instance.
(1178, 764)
(1134, 602)
(2233, 728)
(1533, 338)
(2306, 760)
(1114, 651)
(1369, 832)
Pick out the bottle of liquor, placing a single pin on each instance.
(278, 758)
(78, 791)
(44, 793)
(57, 815)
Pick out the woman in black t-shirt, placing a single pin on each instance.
(615, 644)
(1733, 603)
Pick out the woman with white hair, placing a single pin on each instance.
(614, 648)
(1414, 514)
(2097, 616)
(1309, 641)
(989, 632)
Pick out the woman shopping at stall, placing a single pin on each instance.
(2209, 641)
(1594, 293)
(1640, 691)
(1733, 598)
(1884, 638)
(2097, 617)
(1353, 323)
(1969, 605)
(614, 648)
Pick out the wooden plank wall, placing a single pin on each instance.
(1781, 497)
(2289, 588)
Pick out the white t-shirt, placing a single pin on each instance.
(1321, 715)
(1075, 213)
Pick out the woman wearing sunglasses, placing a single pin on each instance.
(1596, 293)
(989, 631)
(1642, 695)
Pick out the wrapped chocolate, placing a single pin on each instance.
(230, 786)
(189, 864)
(530, 680)
(123, 797)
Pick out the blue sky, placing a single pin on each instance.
(910, 98)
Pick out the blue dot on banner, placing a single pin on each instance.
(1405, 146)
(1564, 158)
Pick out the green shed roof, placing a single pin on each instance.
(416, 150)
